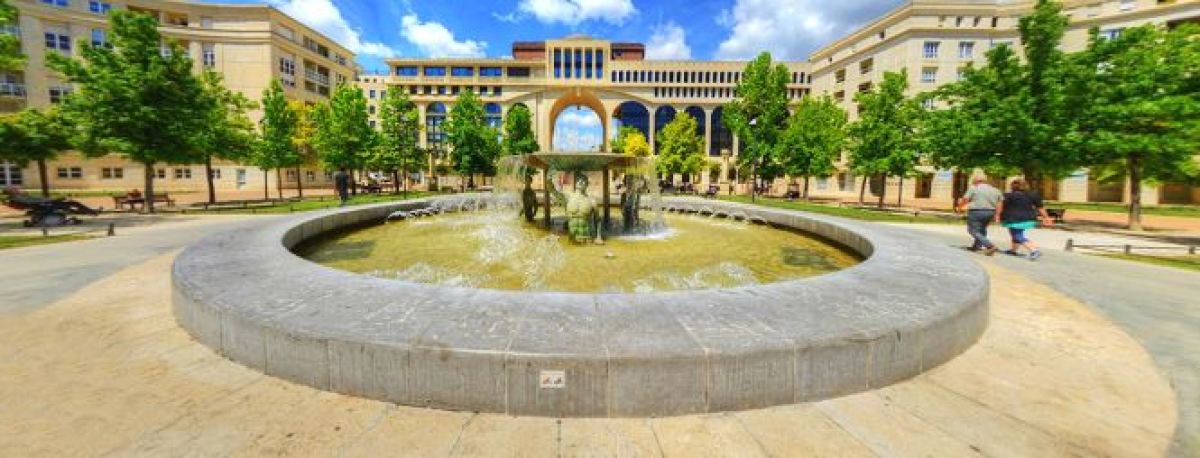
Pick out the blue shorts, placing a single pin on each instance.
(1017, 234)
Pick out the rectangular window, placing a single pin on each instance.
(462, 72)
(291, 175)
(966, 50)
(1109, 34)
(518, 72)
(587, 64)
(490, 72)
(1127, 5)
(70, 173)
(58, 3)
(183, 174)
(209, 55)
(58, 93)
(112, 173)
(61, 42)
(599, 64)
(931, 49)
(558, 61)
(99, 38)
(99, 7)
(435, 71)
(927, 103)
(216, 173)
(10, 175)
(406, 71)
(310, 176)
(371, 94)
(929, 75)
(160, 174)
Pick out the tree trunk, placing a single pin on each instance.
(266, 189)
(753, 182)
(862, 190)
(353, 182)
(208, 178)
(396, 181)
(279, 184)
(882, 188)
(806, 187)
(1135, 192)
(1033, 180)
(299, 184)
(900, 193)
(148, 193)
(44, 177)
(404, 185)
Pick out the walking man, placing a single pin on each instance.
(341, 184)
(980, 203)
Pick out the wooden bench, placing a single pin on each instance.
(1057, 214)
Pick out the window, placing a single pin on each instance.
(865, 66)
(183, 174)
(518, 72)
(310, 176)
(58, 3)
(208, 55)
(927, 103)
(371, 95)
(70, 173)
(962, 72)
(1127, 5)
(99, 38)
(435, 71)
(490, 72)
(929, 75)
(966, 49)
(496, 91)
(58, 93)
(160, 174)
(112, 173)
(1109, 34)
(216, 173)
(58, 41)
(462, 72)
(10, 175)
(99, 7)
(406, 71)
(931, 49)
(371, 109)
(840, 76)
(995, 22)
(370, 123)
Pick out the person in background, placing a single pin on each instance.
(980, 204)
(1020, 211)
(341, 184)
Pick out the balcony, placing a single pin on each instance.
(316, 77)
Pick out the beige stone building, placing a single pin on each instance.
(934, 39)
(250, 45)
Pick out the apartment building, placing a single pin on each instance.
(250, 45)
(935, 39)
(612, 79)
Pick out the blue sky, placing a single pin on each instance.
(671, 29)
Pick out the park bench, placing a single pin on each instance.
(132, 202)
(1057, 214)
(711, 192)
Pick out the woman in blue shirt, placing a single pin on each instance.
(1020, 211)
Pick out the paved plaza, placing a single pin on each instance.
(1083, 357)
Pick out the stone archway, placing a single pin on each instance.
(585, 98)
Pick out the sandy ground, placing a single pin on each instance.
(106, 371)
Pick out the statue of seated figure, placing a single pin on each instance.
(581, 211)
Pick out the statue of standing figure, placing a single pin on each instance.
(631, 200)
(581, 211)
(529, 203)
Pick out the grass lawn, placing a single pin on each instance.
(18, 241)
(845, 212)
(312, 204)
(69, 194)
(1185, 211)
(1190, 262)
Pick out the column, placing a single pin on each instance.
(708, 128)
(653, 110)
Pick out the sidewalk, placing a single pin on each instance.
(1056, 239)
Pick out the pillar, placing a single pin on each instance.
(604, 201)
(653, 150)
(546, 195)
(707, 141)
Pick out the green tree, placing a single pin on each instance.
(302, 139)
(814, 139)
(399, 149)
(518, 132)
(277, 149)
(229, 133)
(134, 99)
(1142, 95)
(758, 115)
(344, 136)
(680, 148)
(473, 144)
(10, 44)
(883, 138)
(34, 136)
(631, 142)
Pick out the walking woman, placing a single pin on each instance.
(1020, 211)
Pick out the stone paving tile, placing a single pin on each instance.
(102, 372)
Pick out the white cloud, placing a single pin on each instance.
(435, 40)
(572, 12)
(581, 118)
(668, 42)
(323, 16)
(792, 29)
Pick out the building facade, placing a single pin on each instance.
(250, 45)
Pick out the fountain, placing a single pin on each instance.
(469, 302)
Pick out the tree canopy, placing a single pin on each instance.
(680, 148)
(758, 114)
(883, 139)
(10, 44)
(229, 134)
(33, 135)
(399, 136)
(343, 136)
(631, 142)
(519, 137)
(814, 139)
(474, 145)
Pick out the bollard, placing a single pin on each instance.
(1070, 245)
(1128, 249)
(112, 229)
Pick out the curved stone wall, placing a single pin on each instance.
(908, 307)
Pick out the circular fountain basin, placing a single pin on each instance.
(907, 307)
